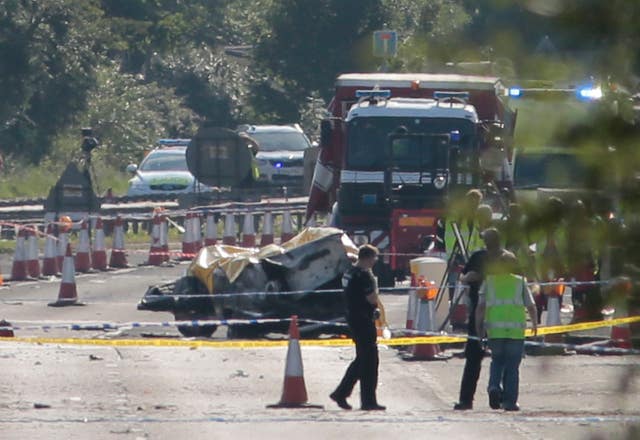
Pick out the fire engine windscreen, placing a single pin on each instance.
(368, 140)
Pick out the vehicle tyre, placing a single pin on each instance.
(245, 331)
(205, 331)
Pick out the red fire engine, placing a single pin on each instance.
(394, 149)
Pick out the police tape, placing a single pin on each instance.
(91, 325)
(105, 326)
(417, 337)
(382, 289)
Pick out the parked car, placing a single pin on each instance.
(164, 171)
(552, 170)
(281, 150)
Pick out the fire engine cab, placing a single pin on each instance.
(397, 147)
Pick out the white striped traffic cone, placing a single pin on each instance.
(164, 237)
(118, 254)
(19, 268)
(553, 311)
(266, 237)
(63, 240)
(99, 254)
(196, 231)
(33, 259)
(211, 237)
(229, 237)
(287, 227)
(425, 322)
(294, 391)
(188, 244)
(460, 313)
(68, 293)
(248, 231)
(155, 251)
(83, 254)
(621, 335)
(412, 304)
(50, 261)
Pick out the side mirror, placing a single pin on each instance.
(326, 131)
(132, 168)
(315, 144)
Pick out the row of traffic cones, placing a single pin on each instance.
(27, 265)
(192, 236)
(26, 262)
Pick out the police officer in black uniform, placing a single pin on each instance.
(362, 302)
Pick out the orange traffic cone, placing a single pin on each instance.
(33, 259)
(248, 231)
(83, 257)
(294, 392)
(68, 294)
(5, 329)
(211, 237)
(267, 229)
(19, 268)
(99, 254)
(50, 261)
(155, 251)
(118, 253)
(229, 236)
(287, 227)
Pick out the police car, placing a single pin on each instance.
(281, 150)
(164, 171)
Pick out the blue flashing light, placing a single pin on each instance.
(369, 199)
(278, 164)
(173, 142)
(373, 94)
(455, 136)
(515, 92)
(590, 93)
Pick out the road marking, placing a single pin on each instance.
(360, 417)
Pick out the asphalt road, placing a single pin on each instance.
(62, 391)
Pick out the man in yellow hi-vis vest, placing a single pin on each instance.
(503, 299)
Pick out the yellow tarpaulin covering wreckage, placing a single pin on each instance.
(233, 260)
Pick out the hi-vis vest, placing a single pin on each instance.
(505, 313)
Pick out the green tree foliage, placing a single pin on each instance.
(310, 41)
(58, 58)
(129, 115)
(47, 53)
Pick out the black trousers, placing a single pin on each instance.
(365, 366)
(473, 353)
